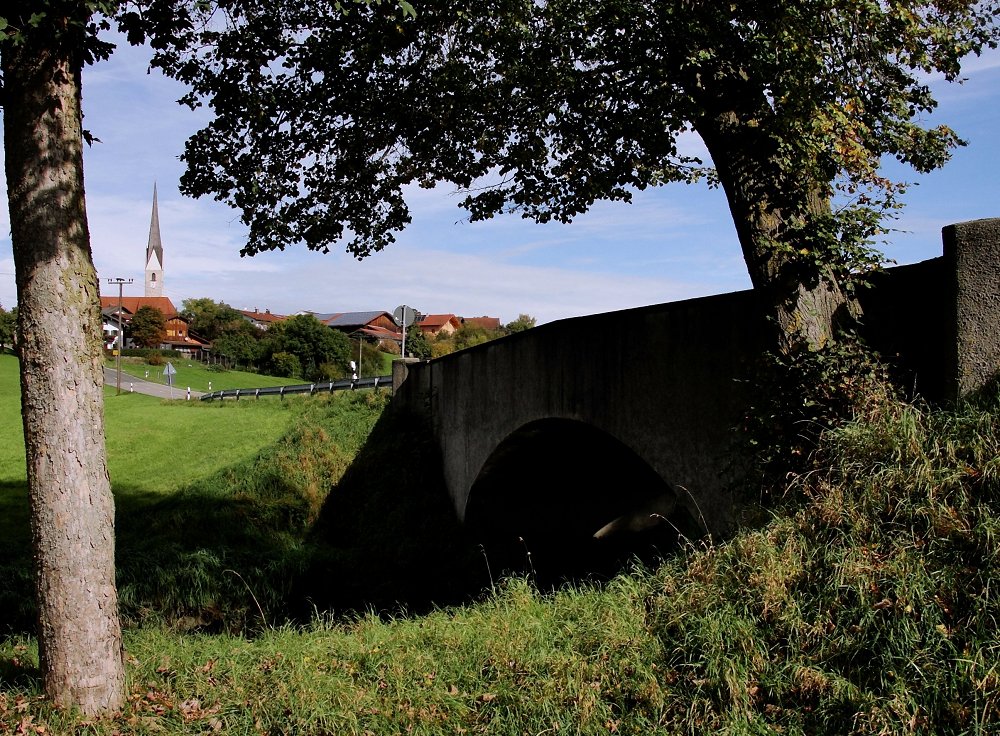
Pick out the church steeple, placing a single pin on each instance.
(154, 254)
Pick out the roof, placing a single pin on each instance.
(381, 333)
(436, 320)
(186, 341)
(112, 311)
(134, 303)
(155, 245)
(258, 316)
(348, 320)
(487, 323)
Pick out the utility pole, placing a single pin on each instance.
(121, 334)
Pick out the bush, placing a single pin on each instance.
(802, 396)
(286, 364)
(330, 372)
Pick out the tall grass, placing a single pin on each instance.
(231, 549)
(868, 606)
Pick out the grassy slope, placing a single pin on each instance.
(867, 604)
(11, 433)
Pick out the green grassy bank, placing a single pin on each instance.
(865, 602)
(216, 504)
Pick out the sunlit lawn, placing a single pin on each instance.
(154, 446)
(197, 376)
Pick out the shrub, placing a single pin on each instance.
(800, 397)
(286, 364)
(329, 372)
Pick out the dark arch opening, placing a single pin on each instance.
(552, 485)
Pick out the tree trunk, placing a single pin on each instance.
(59, 328)
(808, 303)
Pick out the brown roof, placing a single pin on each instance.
(437, 320)
(487, 323)
(381, 333)
(133, 303)
(186, 341)
(262, 316)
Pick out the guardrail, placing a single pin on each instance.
(345, 384)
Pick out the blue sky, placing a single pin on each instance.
(672, 243)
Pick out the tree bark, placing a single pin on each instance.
(808, 303)
(59, 328)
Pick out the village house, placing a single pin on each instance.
(487, 323)
(261, 320)
(375, 326)
(433, 325)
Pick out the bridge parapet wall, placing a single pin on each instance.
(659, 379)
(972, 254)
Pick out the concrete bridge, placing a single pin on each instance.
(613, 421)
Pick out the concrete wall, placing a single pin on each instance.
(667, 380)
(972, 256)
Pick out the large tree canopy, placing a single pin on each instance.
(211, 319)
(324, 112)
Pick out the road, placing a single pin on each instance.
(142, 386)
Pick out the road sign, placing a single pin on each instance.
(170, 372)
(403, 315)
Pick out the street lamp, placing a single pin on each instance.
(120, 337)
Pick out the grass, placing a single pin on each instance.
(11, 430)
(197, 375)
(200, 376)
(211, 498)
(864, 603)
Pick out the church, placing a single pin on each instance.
(154, 254)
(176, 335)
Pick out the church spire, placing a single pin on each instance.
(154, 254)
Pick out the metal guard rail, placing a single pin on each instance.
(345, 384)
